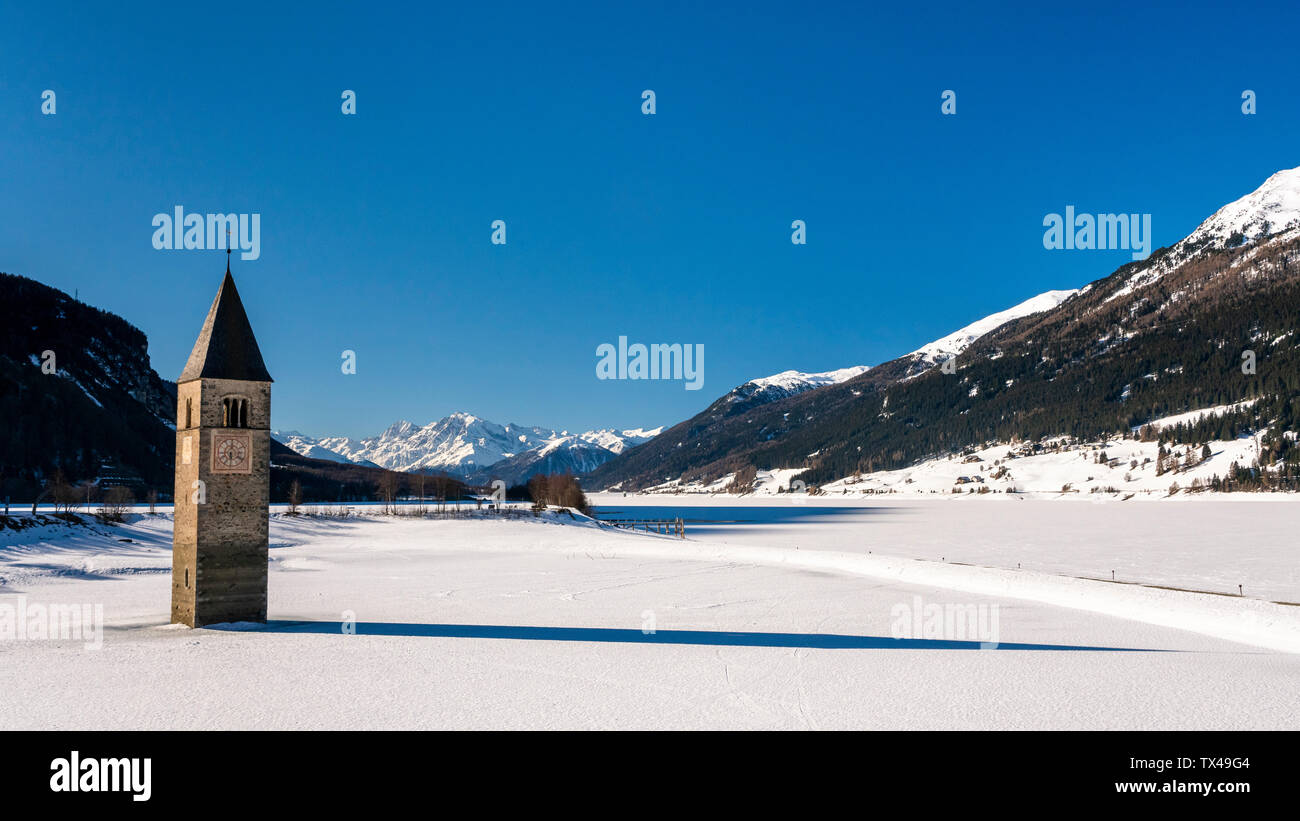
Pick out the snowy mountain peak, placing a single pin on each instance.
(1272, 208)
(398, 429)
(644, 434)
(794, 379)
(462, 443)
(789, 383)
(618, 441)
(954, 343)
(335, 449)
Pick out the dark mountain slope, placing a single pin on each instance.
(1156, 337)
(102, 404)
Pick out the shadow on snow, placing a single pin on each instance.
(825, 641)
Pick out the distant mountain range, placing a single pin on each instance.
(472, 448)
(1210, 321)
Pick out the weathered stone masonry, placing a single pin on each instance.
(223, 442)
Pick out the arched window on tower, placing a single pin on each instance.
(234, 410)
(189, 412)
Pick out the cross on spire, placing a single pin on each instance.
(227, 250)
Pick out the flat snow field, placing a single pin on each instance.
(539, 624)
(1209, 542)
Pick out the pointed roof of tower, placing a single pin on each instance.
(226, 348)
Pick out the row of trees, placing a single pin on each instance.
(557, 490)
(414, 493)
(111, 502)
(438, 488)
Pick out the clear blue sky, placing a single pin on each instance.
(666, 228)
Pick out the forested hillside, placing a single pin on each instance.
(1156, 337)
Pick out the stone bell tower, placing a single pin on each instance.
(223, 471)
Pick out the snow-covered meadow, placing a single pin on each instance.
(560, 623)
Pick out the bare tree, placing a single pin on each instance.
(539, 488)
(114, 502)
(87, 492)
(295, 496)
(62, 494)
(387, 488)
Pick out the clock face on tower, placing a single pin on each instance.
(232, 452)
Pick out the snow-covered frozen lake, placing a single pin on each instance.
(535, 624)
(1210, 543)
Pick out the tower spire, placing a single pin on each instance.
(227, 251)
(226, 347)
